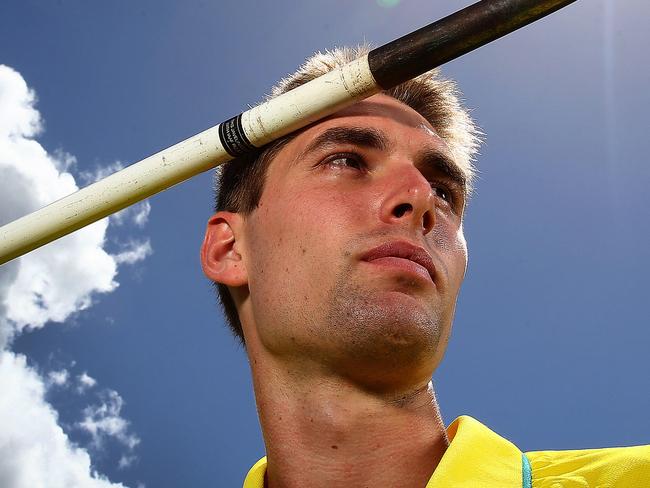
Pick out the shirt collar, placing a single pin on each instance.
(475, 453)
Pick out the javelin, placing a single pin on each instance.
(381, 69)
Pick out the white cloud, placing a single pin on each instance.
(64, 161)
(34, 450)
(19, 117)
(57, 280)
(100, 172)
(142, 211)
(126, 461)
(58, 378)
(104, 420)
(137, 214)
(60, 279)
(85, 382)
(49, 285)
(133, 252)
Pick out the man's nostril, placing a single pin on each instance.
(402, 209)
(427, 221)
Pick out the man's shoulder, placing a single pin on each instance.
(615, 466)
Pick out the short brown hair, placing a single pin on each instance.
(240, 182)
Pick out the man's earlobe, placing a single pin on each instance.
(220, 255)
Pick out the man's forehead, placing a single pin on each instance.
(382, 106)
(382, 116)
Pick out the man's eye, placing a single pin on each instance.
(345, 160)
(441, 192)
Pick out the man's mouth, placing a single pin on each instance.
(403, 255)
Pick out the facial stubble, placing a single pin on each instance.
(383, 330)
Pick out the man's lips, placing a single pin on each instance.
(402, 254)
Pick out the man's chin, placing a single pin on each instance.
(386, 320)
(390, 344)
(407, 281)
(400, 296)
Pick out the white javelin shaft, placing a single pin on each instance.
(261, 125)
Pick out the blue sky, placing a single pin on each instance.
(550, 342)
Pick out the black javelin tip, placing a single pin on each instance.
(453, 36)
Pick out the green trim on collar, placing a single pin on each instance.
(526, 472)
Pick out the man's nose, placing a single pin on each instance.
(409, 199)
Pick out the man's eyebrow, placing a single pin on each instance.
(440, 161)
(367, 137)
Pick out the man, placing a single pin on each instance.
(339, 253)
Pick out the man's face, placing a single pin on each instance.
(355, 254)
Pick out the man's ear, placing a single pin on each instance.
(220, 255)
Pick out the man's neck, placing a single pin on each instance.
(326, 432)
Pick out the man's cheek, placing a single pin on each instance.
(461, 243)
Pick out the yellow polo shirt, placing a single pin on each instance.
(479, 458)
